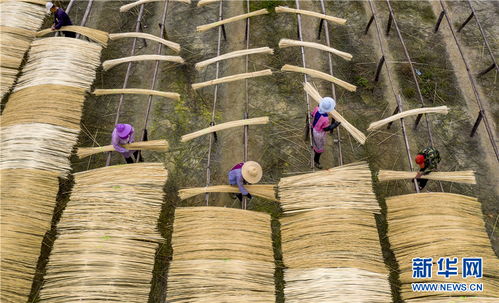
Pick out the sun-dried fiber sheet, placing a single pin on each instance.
(221, 255)
(107, 237)
(348, 186)
(28, 199)
(330, 242)
(435, 225)
(73, 64)
(18, 23)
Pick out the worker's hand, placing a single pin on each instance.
(53, 27)
(249, 196)
(418, 175)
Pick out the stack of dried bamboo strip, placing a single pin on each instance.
(206, 27)
(424, 110)
(330, 241)
(28, 200)
(348, 186)
(452, 227)
(108, 64)
(235, 54)
(107, 237)
(139, 91)
(265, 191)
(265, 72)
(39, 128)
(97, 35)
(16, 37)
(174, 46)
(226, 125)
(221, 255)
(467, 176)
(352, 130)
(288, 42)
(129, 6)
(153, 145)
(318, 74)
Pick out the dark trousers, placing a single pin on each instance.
(69, 34)
(135, 155)
(317, 157)
(422, 183)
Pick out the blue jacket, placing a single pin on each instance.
(61, 19)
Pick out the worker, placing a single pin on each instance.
(123, 134)
(427, 159)
(60, 19)
(320, 125)
(245, 173)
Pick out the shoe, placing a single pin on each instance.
(317, 165)
(335, 125)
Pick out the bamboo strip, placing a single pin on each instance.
(288, 42)
(17, 30)
(265, 191)
(39, 2)
(222, 126)
(424, 110)
(206, 2)
(352, 130)
(214, 247)
(153, 145)
(97, 35)
(174, 46)
(317, 74)
(116, 91)
(76, 68)
(452, 228)
(108, 64)
(284, 9)
(206, 27)
(467, 176)
(235, 54)
(107, 236)
(127, 7)
(265, 72)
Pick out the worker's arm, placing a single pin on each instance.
(115, 141)
(240, 184)
(131, 138)
(58, 20)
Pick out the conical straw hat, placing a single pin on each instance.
(252, 172)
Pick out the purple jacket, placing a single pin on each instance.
(117, 141)
(236, 178)
(61, 18)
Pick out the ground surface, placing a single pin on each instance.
(280, 146)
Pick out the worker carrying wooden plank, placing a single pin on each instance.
(320, 125)
(249, 172)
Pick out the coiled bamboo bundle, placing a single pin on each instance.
(221, 255)
(348, 186)
(116, 91)
(16, 37)
(235, 54)
(129, 6)
(153, 145)
(265, 191)
(97, 35)
(226, 125)
(174, 46)
(417, 111)
(206, 27)
(288, 42)
(108, 64)
(76, 68)
(284, 9)
(318, 74)
(265, 72)
(107, 236)
(28, 199)
(467, 176)
(435, 225)
(352, 130)
(330, 241)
